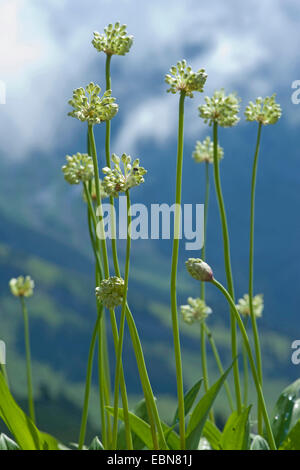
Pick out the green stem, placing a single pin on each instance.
(202, 326)
(106, 272)
(175, 327)
(108, 163)
(227, 261)
(28, 360)
(219, 365)
(103, 388)
(251, 362)
(88, 385)
(121, 332)
(246, 375)
(251, 256)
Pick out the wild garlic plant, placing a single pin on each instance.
(107, 178)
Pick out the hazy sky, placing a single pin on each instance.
(45, 52)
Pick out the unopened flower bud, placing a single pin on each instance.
(199, 270)
(204, 151)
(22, 287)
(220, 109)
(111, 292)
(243, 305)
(181, 78)
(114, 40)
(89, 107)
(266, 110)
(79, 168)
(195, 311)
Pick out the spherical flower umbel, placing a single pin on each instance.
(195, 311)
(111, 292)
(243, 306)
(114, 40)
(199, 270)
(115, 181)
(181, 78)
(221, 109)
(22, 286)
(79, 168)
(264, 110)
(204, 151)
(89, 107)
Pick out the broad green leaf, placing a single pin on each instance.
(201, 411)
(138, 425)
(22, 428)
(259, 443)
(139, 410)
(292, 441)
(96, 444)
(282, 414)
(7, 444)
(189, 400)
(235, 435)
(212, 434)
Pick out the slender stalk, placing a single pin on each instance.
(101, 371)
(202, 326)
(219, 365)
(251, 362)
(106, 274)
(28, 359)
(103, 381)
(227, 261)
(121, 330)
(251, 256)
(176, 337)
(246, 375)
(88, 385)
(108, 163)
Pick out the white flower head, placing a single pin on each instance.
(21, 286)
(195, 311)
(243, 306)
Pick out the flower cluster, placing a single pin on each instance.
(88, 106)
(182, 78)
(266, 110)
(116, 181)
(111, 292)
(199, 270)
(195, 311)
(221, 109)
(243, 306)
(204, 151)
(115, 40)
(22, 287)
(79, 168)
(93, 193)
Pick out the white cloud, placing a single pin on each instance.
(45, 52)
